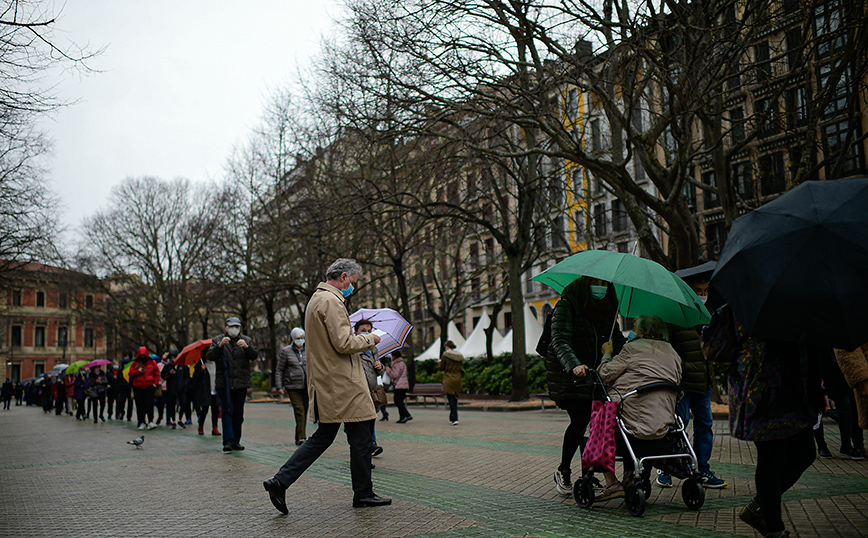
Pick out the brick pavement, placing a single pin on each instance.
(489, 477)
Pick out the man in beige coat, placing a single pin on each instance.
(854, 365)
(337, 388)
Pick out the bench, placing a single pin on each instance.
(425, 391)
(542, 396)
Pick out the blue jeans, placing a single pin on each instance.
(703, 437)
(233, 414)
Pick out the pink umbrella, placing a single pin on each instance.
(97, 362)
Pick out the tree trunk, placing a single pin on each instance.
(519, 356)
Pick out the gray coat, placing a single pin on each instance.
(291, 372)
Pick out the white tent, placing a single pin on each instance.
(532, 333)
(475, 344)
(433, 352)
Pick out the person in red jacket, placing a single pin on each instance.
(144, 377)
(69, 389)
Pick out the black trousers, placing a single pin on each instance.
(400, 394)
(144, 404)
(171, 402)
(202, 412)
(574, 436)
(123, 398)
(359, 439)
(453, 407)
(232, 406)
(779, 465)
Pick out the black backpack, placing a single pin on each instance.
(542, 347)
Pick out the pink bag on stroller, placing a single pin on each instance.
(600, 449)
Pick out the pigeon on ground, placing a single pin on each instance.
(137, 442)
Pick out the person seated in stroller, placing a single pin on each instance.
(649, 358)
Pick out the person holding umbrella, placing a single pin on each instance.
(581, 324)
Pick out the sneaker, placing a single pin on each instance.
(141, 426)
(663, 479)
(455, 423)
(151, 426)
(709, 480)
(377, 451)
(852, 454)
(562, 482)
(824, 453)
(861, 450)
(751, 515)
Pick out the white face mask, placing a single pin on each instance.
(703, 298)
(299, 343)
(233, 331)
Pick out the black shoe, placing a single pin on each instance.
(824, 453)
(236, 446)
(408, 418)
(385, 418)
(377, 451)
(300, 442)
(277, 494)
(227, 448)
(373, 500)
(401, 421)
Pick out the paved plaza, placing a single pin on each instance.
(488, 477)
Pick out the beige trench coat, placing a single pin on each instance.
(854, 365)
(337, 386)
(642, 362)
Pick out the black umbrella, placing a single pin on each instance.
(796, 269)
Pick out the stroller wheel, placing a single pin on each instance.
(693, 493)
(583, 492)
(646, 487)
(634, 500)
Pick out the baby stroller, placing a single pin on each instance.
(673, 454)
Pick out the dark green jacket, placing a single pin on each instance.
(237, 358)
(576, 340)
(695, 372)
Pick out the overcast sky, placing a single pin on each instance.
(181, 82)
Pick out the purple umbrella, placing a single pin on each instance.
(389, 325)
(97, 362)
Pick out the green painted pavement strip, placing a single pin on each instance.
(503, 513)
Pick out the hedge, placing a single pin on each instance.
(481, 376)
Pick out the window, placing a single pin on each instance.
(39, 337)
(837, 147)
(579, 221)
(16, 297)
(827, 27)
(736, 125)
(797, 108)
(763, 62)
(578, 184)
(88, 337)
(767, 120)
(742, 180)
(88, 301)
(559, 236)
(61, 300)
(600, 225)
(507, 320)
(711, 198)
(61, 336)
(40, 298)
(830, 73)
(596, 136)
(715, 237)
(16, 335)
(624, 247)
(690, 191)
(771, 174)
(619, 217)
(795, 56)
(573, 103)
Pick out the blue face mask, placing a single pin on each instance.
(598, 292)
(632, 336)
(347, 292)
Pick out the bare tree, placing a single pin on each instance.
(152, 242)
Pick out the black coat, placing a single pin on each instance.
(176, 378)
(202, 384)
(577, 337)
(237, 358)
(695, 371)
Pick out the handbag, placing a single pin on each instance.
(379, 396)
(600, 449)
(386, 379)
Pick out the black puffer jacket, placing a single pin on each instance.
(576, 339)
(695, 372)
(238, 359)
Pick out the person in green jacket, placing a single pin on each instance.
(581, 322)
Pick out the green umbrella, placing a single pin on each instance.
(76, 366)
(643, 287)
